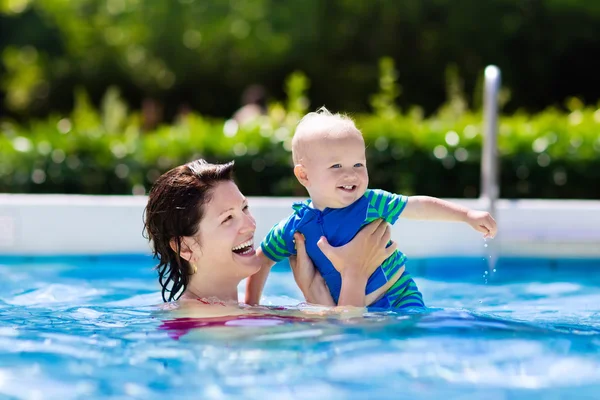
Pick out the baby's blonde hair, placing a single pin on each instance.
(320, 121)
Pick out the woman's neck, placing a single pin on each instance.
(207, 286)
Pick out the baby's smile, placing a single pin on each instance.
(347, 188)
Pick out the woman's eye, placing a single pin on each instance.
(336, 166)
(227, 219)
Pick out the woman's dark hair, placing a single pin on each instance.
(174, 210)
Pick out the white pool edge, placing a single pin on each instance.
(78, 224)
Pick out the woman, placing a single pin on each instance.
(202, 234)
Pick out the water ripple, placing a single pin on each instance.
(65, 336)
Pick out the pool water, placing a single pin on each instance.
(88, 327)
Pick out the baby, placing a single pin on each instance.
(329, 161)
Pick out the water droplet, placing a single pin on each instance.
(494, 270)
(480, 301)
(486, 272)
(485, 245)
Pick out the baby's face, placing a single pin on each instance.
(336, 168)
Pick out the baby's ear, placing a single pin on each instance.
(301, 174)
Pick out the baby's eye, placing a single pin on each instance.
(336, 166)
(246, 208)
(358, 165)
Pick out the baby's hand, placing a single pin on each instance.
(482, 222)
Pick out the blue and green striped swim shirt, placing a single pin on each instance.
(339, 226)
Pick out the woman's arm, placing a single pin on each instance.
(256, 282)
(308, 279)
(355, 261)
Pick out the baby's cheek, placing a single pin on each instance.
(366, 175)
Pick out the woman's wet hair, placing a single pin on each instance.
(174, 211)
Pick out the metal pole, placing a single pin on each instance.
(489, 157)
(490, 190)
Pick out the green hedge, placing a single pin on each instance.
(548, 155)
(181, 53)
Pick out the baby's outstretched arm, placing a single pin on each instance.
(432, 208)
(256, 282)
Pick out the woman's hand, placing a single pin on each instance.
(358, 259)
(307, 277)
(363, 254)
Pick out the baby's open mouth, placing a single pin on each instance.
(244, 248)
(347, 188)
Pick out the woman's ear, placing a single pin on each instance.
(301, 174)
(184, 249)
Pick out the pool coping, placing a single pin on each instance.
(46, 225)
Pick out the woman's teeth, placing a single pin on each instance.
(247, 247)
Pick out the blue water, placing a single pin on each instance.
(89, 328)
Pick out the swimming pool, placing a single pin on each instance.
(87, 327)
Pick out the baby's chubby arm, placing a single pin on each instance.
(256, 282)
(432, 208)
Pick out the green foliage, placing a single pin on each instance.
(296, 86)
(201, 54)
(384, 102)
(551, 154)
(24, 79)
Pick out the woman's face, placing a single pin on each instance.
(226, 234)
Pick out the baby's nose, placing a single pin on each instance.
(350, 173)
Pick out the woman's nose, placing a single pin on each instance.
(249, 223)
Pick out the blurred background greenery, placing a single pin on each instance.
(101, 96)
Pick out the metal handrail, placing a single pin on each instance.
(490, 189)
